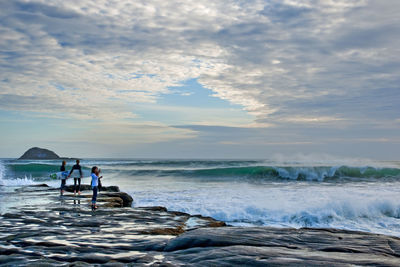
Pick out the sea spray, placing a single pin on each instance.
(357, 206)
(9, 180)
(18, 181)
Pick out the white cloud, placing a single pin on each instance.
(286, 62)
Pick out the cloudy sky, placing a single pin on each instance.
(200, 79)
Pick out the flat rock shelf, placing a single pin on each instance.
(42, 228)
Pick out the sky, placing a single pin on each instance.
(200, 79)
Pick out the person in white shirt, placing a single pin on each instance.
(95, 183)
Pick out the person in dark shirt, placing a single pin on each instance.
(63, 178)
(76, 171)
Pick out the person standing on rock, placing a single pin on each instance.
(63, 177)
(95, 183)
(76, 171)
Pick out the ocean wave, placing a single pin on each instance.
(347, 214)
(345, 211)
(187, 163)
(215, 169)
(18, 181)
(37, 168)
(272, 172)
(33, 167)
(357, 207)
(371, 216)
(13, 182)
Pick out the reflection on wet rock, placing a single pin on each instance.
(57, 229)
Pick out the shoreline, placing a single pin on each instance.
(47, 229)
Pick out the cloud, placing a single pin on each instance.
(319, 72)
(43, 9)
(287, 63)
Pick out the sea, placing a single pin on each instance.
(317, 192)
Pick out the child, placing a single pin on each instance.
(95, 183)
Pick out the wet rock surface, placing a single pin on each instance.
(46, 229)
(257, 246)
(86, 187)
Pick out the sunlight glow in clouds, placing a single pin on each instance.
(284, 66)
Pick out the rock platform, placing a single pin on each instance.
(40, 228)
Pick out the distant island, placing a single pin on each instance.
(41, 154)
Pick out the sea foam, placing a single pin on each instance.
(16, 181)
(372, 207)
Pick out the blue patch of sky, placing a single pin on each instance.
(140, 75)
(61, 87)
(192, 94)
(190, 103)
(58, 86)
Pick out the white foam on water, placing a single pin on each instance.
(13, 182)
(324, 159)
(17, 181)
(372, 207)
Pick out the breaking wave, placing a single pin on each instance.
(217, 169)
(371, 215)
(26, 180)
(271, 172)
(372, 207)
(35, 167)
(18, 181)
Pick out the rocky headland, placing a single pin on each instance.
(38, 227)
(37, 153)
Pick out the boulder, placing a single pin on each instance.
(126, 198)
(110, 202)
(108, 194)
(39, 153)
(39, 185)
